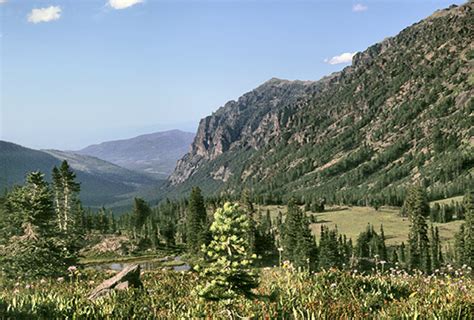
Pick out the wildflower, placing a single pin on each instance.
(42, 281)
(333, 285)
(28, 286)
(60, 279)
(72, 269)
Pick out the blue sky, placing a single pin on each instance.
(76, 72)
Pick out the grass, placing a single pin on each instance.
(448, 200)
(282, 294)
(353, 220)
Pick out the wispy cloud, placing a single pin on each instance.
(3, 1)
(359, 7)
(345, 57)
(44, 14)
(122, 4)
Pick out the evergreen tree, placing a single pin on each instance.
(435, 248)
(227, 270)
(291, 230)
(464, 239)
(468, 256)
(66, 190)
(141, 212)
(329, 254)
(298, 243)
(402, 254)
(34, 247)
(196, 221)
(417, 208)
(246, 201)
(383, 247)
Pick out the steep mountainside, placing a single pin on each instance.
(403, 111)
(102, 183)
(154, 154)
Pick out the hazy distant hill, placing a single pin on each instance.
(402, 112)
(155, 154)
(102, 183)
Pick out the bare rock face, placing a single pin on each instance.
(248, 122)
(129, 277)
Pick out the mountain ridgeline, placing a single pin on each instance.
(153, 154)
(402, 112)
(102, 183)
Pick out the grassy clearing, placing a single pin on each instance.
(353, 220)
(448, 200)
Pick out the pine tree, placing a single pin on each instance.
(291, 230)
(66, 190)
(34, 248)
(196, 221)
(227, 270)
(435, 248)
(141, 212)
(298, 243)
(417, 208)
(402, 255)
(329, 254)
(468, 251)
(246, 201)
(383, 247)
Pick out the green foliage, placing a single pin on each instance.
(417, 207)
(299, 246)
(370, 248)
(227, 270)
(464, 239)
(283, 295)
(196, 221)
(33, 244)
(352, 138)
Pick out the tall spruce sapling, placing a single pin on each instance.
(226, 268)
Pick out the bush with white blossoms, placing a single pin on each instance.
(227, 266)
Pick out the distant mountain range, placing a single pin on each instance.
(102, 183)
(154, 154)
(402, 112)
(110, 173)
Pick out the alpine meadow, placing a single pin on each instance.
(347, 197)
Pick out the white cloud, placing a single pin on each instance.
(359, 7)
(122, 4)
(44, 14)
(3, 1)
(346, 57)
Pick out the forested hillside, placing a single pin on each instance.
(402, 112)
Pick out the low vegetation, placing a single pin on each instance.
(284, 293)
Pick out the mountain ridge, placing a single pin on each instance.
(154, 154)
(102, 183)
(387, 117)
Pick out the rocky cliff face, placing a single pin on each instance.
(400, 111)
(249, 122)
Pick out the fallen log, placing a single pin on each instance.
(129, 277)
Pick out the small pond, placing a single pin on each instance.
(174, 263)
